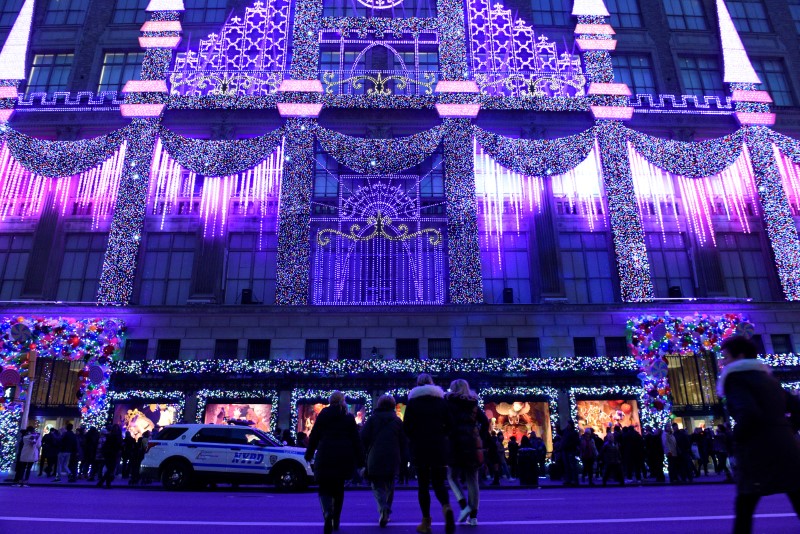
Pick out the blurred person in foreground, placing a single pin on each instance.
(759, 405)
(334, 438)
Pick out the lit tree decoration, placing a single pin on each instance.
(652, 338)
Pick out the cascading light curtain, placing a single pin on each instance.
(505, 198)
(214, 199)
(93, 192)
(695, 202)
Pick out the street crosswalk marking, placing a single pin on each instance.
(533, 522)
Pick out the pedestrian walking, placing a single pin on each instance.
(569, 447)
(513, 456)
(334, 439)
(588, 451)
(90, 453)
(654, 453)
(49, 452)
(685, 462)
(670, 446)
(723, 444)
(111, 451)
(470, 428)
(386, 449)
(28, 455)
(128, 444)
(759, 405)
(634, 454)
(428, 425)
(612, 460)
(67, 447)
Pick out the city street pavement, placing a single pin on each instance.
(661, 509)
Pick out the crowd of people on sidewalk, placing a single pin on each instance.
(86, 453)
(626, 455)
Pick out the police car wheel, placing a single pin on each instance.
(176, 476)
(289, 478)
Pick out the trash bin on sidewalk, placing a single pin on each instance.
(528, 467)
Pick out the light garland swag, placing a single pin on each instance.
(543, 157)
(219, 158)
(380, 156)
(511, 367)
(692, 159)
(62, 158)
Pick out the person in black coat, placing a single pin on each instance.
(569, 446)
(385, 443)
(334, 439)
(111, 450)
(766, 445)
(428, 425)
(471, 427)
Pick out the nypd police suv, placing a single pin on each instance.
(184, 455)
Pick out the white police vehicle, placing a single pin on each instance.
(184, 455)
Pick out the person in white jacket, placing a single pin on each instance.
(29, 455)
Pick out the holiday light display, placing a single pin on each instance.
(101, 415)
(119, 263)
(652, 337)
(225, 62)
(462, 217)
(10, 416)
(626, 225)
(204, 396)
(384, 249)
(620, 392)
(95, 342)
(525, 393)
(294, 232)
(696, 198)
(512, 367)
(544, 157)
(508, 59)
(690, 159)
(15, 48)
(300, 395)
(780, 226)
(62, 158)
(173, 188)
(379, 156)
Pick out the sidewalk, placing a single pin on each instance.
(6, 480)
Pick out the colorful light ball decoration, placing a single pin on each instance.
(96, 342)
(235, 396)
(651, 338)
(10, 416)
